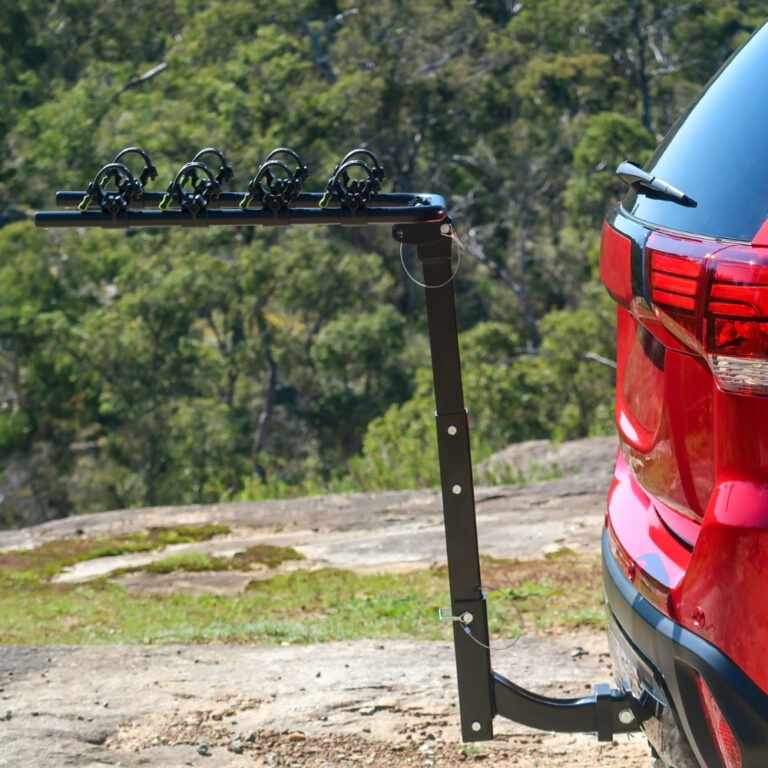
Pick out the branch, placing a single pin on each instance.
(600, 359)
(321, 58)
(148, 75)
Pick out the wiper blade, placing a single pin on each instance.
(652, 186)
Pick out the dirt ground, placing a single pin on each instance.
(365, 703)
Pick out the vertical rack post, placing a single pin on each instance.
(468, 606)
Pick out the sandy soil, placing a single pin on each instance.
(343, 704)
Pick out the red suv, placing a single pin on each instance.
(685, 546)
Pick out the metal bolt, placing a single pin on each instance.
(626, 716)
(467, 617)
(399, 233)
(456, 489)
(452, 430)
(477, 726)
(445, 229)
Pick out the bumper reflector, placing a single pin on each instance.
(721, 732)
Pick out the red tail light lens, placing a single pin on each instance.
(615, 265)
(722, 734)
(738, 304)
(717, 297)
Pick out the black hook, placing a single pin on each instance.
(225, 172)
(149, 171)
(111, 201)
(203, 189)
(275, 185)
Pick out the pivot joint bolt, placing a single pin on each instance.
(626, 716)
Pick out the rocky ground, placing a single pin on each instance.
(344, 704)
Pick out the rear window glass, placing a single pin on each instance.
(718, 154)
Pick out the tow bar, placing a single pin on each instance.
(117, 199)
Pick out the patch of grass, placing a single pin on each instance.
(301, 607)
(473, 751)
(188, 561)
(183, 534)
(261, 554)
(560, 591)
(51, 557)
(508, 474)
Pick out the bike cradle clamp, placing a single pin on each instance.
(275, 186)
(148, 172)
(353, 192)
(192, 189)
(419, 220)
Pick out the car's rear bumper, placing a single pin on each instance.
(656, 656)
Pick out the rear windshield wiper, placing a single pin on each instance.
(651, 186)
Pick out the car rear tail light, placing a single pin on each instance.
(722, 735)
(716, 297)
(615, 265)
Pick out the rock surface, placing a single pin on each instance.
(341, 704)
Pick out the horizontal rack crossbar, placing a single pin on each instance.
(71, 198)
(402, 209)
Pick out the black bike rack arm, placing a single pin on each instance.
(421, 221)
(468, 606)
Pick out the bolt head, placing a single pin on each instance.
(452, 430)
(456, 489)
(477, 726)
(626, 716)
(467, 617)
(445, 229)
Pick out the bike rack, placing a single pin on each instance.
(275, 197)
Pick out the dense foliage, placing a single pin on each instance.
(174, 367)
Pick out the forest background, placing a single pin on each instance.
(160, 367)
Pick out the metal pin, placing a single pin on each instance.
(452, 430)
(476, 726)
(456, 489)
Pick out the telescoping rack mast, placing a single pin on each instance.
(274, 197)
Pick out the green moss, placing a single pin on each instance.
(51, 557)
(260, 554)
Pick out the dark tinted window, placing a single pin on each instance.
(718, 154)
